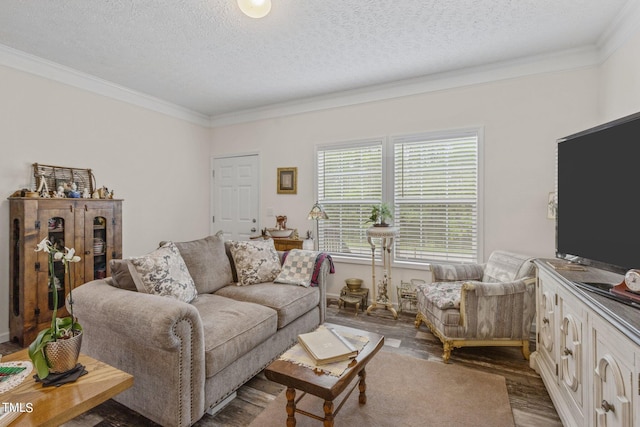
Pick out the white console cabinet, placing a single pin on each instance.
(587, 349)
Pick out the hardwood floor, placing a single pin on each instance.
(529, 399)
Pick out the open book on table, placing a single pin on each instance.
(325, 345)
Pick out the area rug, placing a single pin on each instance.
(406, 391)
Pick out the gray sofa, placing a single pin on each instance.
(187, 358)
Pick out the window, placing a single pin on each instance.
(434, 189)
(436, 198)
(349, 183)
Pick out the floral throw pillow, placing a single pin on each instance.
(256, 261)
(163, 272)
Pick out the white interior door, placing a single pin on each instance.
(235, 201)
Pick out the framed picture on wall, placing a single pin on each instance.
(287, 180)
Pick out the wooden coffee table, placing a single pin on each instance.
(326, 387)
(53, 406)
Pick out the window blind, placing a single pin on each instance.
(436, 198)
(350, 180)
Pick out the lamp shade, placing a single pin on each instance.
(255, 8)
(317, 212)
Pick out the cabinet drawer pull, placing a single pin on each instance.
(567, 352)
(606, 406)
(545, 320)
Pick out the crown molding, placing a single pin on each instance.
(622, 28)
(558, 61)
(32, 64)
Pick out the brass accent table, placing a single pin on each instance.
(349, 296)
(53, 406)
(344, 299)
(380, 297)
(326, 387)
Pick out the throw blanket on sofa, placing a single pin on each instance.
(301, 267)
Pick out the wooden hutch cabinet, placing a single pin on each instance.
(92, 226)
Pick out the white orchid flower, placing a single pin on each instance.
(71, 256)
(58, 256)
(44, 245)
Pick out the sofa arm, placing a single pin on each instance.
(134, 315)
(157, 339)
(498, 310)
(325, 268)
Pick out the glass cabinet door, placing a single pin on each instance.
(56, 225)
(98, 244)
(100, 231)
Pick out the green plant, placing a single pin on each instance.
(380, 213)
(61, 328)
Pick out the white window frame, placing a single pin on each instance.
(383, 143)
(476, 132)
(388, 146)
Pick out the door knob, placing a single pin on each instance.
(253, 230)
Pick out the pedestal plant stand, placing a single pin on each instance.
(380, 295)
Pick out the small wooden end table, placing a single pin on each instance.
(327, 387)
(53, 406)
(286, 244)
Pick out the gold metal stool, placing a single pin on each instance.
(344, 299)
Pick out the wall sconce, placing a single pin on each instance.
(552, 205)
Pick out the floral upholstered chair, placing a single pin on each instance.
(490, 304)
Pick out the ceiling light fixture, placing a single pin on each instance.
(255, 8)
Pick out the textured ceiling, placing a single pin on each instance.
(206, 56)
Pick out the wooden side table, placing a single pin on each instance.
(53, 406)
(286, 244)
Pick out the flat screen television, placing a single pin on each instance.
(598, 212)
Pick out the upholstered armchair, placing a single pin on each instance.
(490, 304)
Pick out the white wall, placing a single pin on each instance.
(522, 118)
(620, 82)
(157, 164)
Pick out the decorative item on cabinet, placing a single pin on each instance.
(72, 180)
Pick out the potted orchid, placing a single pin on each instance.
(64, 333)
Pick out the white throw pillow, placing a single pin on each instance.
(163, 272)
